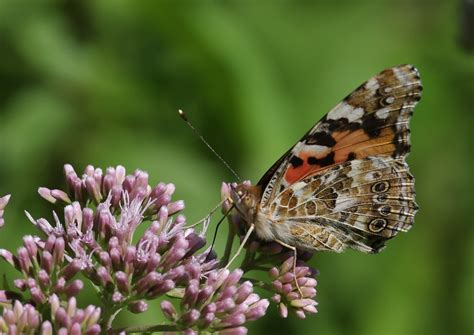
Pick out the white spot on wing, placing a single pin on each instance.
(344, 110)
(342, 203)
(379, 163)
(297, 187)
(372, 84)
(383, 113)
(319, 148)
(355, 166)
(399, 75)
(389, 100)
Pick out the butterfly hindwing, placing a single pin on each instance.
(359, 204)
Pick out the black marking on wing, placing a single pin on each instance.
(325, 161)
(296, 161)
(321, 138)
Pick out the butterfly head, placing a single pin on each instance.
(246, 198)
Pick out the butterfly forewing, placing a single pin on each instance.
(346, 182)
(372, 120)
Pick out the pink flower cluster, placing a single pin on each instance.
(95, 242)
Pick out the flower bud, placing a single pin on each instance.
(45, 193)
(60, 195)
(168, 310)
(138, 306)
(234, 331)
(73, 288)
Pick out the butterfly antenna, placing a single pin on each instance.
(217, 228)
(185, 118)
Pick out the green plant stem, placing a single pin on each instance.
(247, 263)
(147, 328)
(112, 318)
(228, 245)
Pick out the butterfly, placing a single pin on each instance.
(345, 183)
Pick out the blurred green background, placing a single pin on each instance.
(99, 82)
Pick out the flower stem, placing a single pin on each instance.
(247, 263)
(112, 318)
(228, 245)
(147, 328)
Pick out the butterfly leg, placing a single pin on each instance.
(244, 241)
(207, 218)
(294, 263)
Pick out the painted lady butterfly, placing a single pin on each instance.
(345, 184)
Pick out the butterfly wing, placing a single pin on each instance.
(371, 121)
(346, 182)
(358, 204)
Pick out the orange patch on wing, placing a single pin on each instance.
(359, 143)
(293, 174)
(348, 138)
(356, 142)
